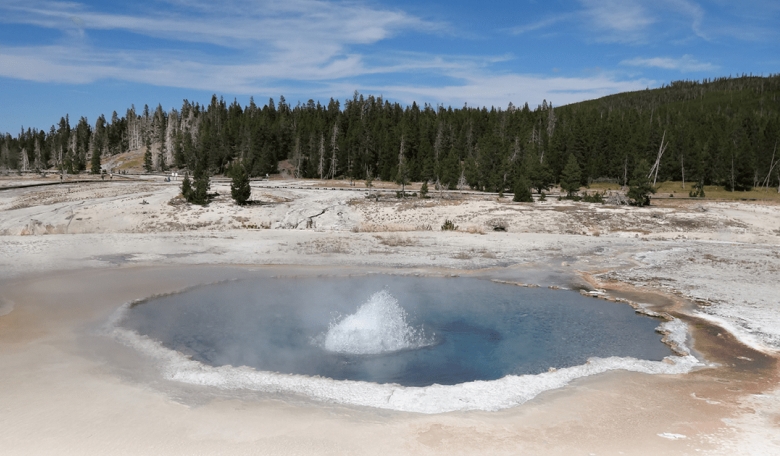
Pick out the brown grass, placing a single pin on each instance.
(388, 228)
(600, 186)
(714, 192)
(474, 229)
(396, 241)
(674, 189)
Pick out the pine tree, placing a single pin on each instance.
(726, 130)
(95, 160)
(522, 190)
(538, 173)
(239, 188)
(200, 191)
(640, 188)
(424, 189)
(186, 187)
(570, 176)
(148, 156)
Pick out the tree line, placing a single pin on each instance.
(713, 132)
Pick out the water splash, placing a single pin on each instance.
(378, 326)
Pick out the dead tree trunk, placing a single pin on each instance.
(321, 167)
(334, 149)
(772, 165)
(625, 173)
(656, 166)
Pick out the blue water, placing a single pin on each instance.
(474, 329)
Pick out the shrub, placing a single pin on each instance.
(449, 226)
(697, 191)
(424, 189)
(594, 198)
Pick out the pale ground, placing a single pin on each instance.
(71, 254)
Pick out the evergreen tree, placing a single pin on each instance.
(718, 132)
(98, 142)
(201, 185)
(239, 188)
(522, 190)
(571, 176)
(640, 188)
(95, 161)
(424, 189)
(451, 170)
(148, 157)
(186, 187)
(539, 174)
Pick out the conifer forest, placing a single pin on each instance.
(715, 132)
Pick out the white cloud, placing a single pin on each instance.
(277, 46)
(618, 20)
(542, 24)
(499, 90)
(685, 64)
(468, 83)
(694, 12)
(304, 40)
(231, 23)
(629, 21)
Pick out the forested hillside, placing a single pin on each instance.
(723, 131)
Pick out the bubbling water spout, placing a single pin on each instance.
(378, 326)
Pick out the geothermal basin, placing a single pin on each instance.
(425, 344)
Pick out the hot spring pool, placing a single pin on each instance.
(413, 332)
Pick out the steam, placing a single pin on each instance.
(378, 326)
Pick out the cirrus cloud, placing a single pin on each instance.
(685, 64)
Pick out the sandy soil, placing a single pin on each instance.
(71, 254)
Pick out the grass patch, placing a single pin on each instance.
(604, 186)
(396, 241)
(715, 192)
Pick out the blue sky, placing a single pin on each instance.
(89, 57)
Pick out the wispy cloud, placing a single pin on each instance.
(685, 64)
(272, 39)
(469, 81)
(312, 48)
(232, 23)
(499, 90)
(542, 24)
(271, 45)
(628, 21)
(691, 10)
(622, 20)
